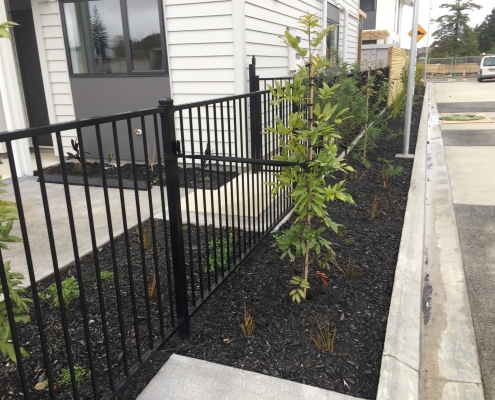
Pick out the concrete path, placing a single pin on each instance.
(184, 378)
(36, 224)
(458, 296)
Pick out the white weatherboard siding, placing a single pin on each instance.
(54, 67)
(202, 62)
(266, 20)
(352, 30)
(200, 40)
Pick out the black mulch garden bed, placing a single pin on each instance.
(281, 344)
(189, 176)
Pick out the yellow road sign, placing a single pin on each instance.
(421, 33)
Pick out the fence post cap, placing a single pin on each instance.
(165, 101)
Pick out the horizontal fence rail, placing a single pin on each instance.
(131, 233)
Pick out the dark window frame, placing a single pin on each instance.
(127, 43)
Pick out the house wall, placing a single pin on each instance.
(266, 20)
(54, 68)
(200, 41)
(387, 18)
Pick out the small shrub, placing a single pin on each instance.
(324, 337)
(247, 324)
(70, 291)
(106, 275)
(390, 172)
(77, 152)
(220, 251)
(80, 373)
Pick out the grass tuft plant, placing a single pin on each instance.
(324, 336)
(374, 211)
(247, 324)
(349, 268)
(144, 238)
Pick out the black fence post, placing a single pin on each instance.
(255, 114)
(171, 148)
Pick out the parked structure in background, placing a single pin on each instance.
(79, 59)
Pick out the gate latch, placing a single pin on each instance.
(176, 147)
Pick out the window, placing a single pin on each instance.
(489, 62)
(333, 17)
(368, 5)
(114, 36)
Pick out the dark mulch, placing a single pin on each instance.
(281, 345)
(191, 176)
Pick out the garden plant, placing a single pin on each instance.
(309, 141)
(20, 310)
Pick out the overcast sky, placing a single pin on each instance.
(476, 17)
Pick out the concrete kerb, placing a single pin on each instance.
(399, 374)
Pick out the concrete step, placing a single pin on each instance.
(184, 378)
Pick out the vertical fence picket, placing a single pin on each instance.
(170, 149)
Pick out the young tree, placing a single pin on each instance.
(308, 140)
(454, 37)
(486, 34)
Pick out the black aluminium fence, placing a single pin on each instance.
(171, 242)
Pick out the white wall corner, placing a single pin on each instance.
(13, 107)
(240, 57)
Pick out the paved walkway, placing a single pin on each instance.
(458, 294)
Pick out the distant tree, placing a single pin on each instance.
(486, 34)
(99, 32)
(454, 37)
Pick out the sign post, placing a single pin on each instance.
(410, 81)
